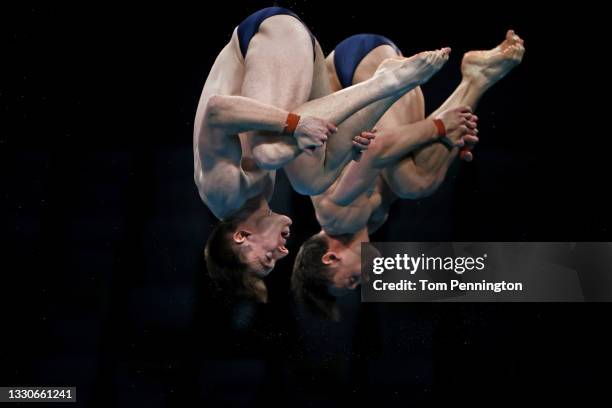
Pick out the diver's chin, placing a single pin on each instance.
(262, 273)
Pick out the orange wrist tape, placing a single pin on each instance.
(291, 124)
(440, 126)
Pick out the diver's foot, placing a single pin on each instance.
(488, 67)
(408, 73)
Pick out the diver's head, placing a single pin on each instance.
(260, 241)
(240, 252)
(326, 267)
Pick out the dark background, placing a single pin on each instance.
(103, 282)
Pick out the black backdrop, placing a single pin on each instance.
(103, 278)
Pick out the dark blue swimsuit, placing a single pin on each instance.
(249, 27)
(349, 53)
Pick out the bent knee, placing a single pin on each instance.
(264, 159)
(215, 106)
(308, 187)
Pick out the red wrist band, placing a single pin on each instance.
(440, 126)
(292, 122)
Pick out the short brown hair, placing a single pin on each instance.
(225, 266)
(311, 278)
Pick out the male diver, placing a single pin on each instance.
(267, 103)
(408, 159)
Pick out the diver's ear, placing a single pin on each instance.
(240, 236)
(330, 258)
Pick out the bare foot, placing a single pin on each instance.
(488, 67)
(408, 73)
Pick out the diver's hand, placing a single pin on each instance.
(361, 143)
(312, 132)
(459, 124)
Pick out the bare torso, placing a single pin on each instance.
(370, 209)
(221, 159)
